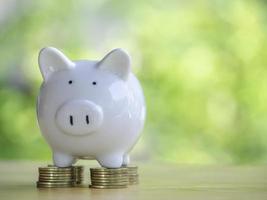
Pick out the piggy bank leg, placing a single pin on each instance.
(126, 160)
(111, 160)
(63, 160)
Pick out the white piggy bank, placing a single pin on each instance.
(90, 109)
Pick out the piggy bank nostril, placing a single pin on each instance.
(87, 119)
(71, 120)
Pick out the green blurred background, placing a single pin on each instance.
(202, 64)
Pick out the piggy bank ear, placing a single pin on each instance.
(52, 60)
(117, 62)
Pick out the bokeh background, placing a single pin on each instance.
(203, 66)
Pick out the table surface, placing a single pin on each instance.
(157, 181)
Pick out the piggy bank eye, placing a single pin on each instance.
(94, 83)
(70, 81)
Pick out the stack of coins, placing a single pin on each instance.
(55, 177)
(78, 172)
(133, 175)
(105, 178)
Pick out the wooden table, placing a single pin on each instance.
(157, 181)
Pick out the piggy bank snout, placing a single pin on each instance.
(79, 117)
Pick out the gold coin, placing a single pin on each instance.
(57, 175)
(55, 171)
(55, 181)
(110, 173)
(53, 184)
(56, 178)
(104, 168)
(109, 183)
(74, 166)
(54, 167)
(108, 169)
(109, 180)
(107, 186)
